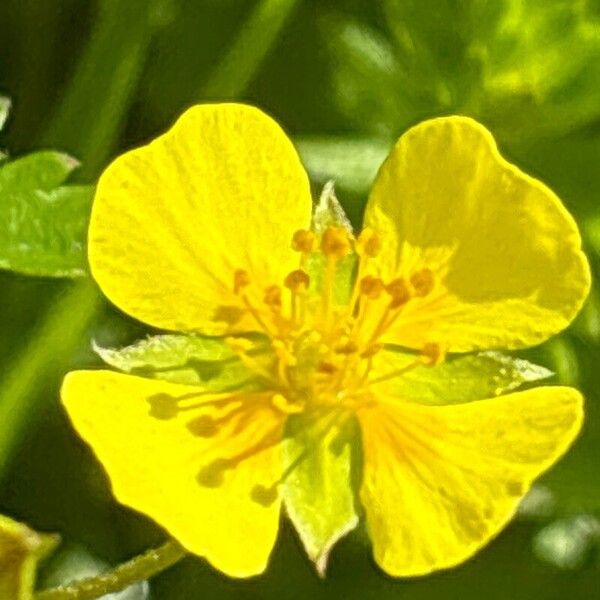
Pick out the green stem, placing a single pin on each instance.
(137, 569)
(252, 44)
(42, 360)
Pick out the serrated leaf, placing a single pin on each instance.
(460, 379)
(318, 492)
(4, 111)
(190, 359)
(43, 224)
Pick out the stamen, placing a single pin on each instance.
(422, 282)
(368, 243)
(163, 407)
(399, 290)
(286, 406)
(297, 281)
(432, 354)
(203, 426)
(241, 279)
(335, 242)
(371, 287)
(272, 297)
(304, 241)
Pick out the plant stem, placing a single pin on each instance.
(140, 568)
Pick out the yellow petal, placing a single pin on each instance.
(172, 221)
(505, 253)
(160, 468)
(440, 482)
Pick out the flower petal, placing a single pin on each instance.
(160, 467)
(506, 253)
(172, 221)
(440, 482)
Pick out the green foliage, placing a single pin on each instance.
(43, 223)
(194, 360)
(526, 68)
(460, 379)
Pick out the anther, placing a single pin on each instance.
(163, 407)
(432, 354)
(213, 474)
(371, 350)
(265, 496)
(422, 282)
(203, 426)
(272, 296)
(241, 279)
(297, 281)
(304, 241)
(368, 243)
(348, 347)
(371, 287)
(399, 291)
(335, 242)
(326, 368)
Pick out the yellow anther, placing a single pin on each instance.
(368, 243)
(297, 281)
(273, 296)
(371, 287)
(326, 368)
(399, 290)
(288, 407)
(422, 282)
(432, 354)
(241, 279)
(346, 347)
(203, 426)
(213, 474)
(304, 241)
(372, 350)
(335, 242)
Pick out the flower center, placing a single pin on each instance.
(325, 321)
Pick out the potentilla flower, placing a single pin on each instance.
(361, 395)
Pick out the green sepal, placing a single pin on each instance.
(21, 549)
(458, 379)
(43, 223)
(329, 212)
(319, 491)
(189, 359)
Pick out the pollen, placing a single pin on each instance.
(399, 290)
(304, 241)
(297, 281)
(371, 287)
(368, 243)
(422, 282)
(335, 242)
(241, 280)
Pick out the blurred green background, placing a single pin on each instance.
(92, 78)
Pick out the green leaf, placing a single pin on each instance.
(4, 111)
(190, 359)
(21, 549)
(318, 492)
(460, 379)
(43, 224)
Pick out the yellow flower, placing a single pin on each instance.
(207, 230)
